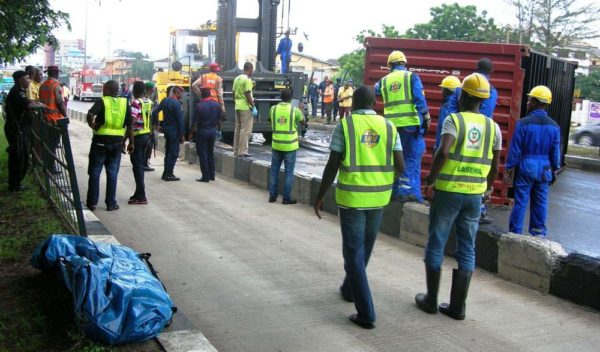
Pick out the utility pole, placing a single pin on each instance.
(85, 36)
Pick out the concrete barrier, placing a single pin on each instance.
(577, 279)
(259, 174)
(414, 224)
(529, 261)
(392, 219)
(241, 169)
(228, 164)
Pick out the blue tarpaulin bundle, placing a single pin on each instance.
(116, 297)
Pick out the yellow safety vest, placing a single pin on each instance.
(398, 105)
(114, 117)
(285, 131)
(470, 158)
(146, 106)
(366, 175)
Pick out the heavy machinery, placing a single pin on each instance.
(224, 47)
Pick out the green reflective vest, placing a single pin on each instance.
(470, 157)
(366, 174)
(285, 131)
(114, 117)
(398, 105)
(146, 106)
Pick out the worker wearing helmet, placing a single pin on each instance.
(405, 106)
(464, 168)
(212, 81)
(533, 159)
(284, 49)
(448, 85)
(485, 67)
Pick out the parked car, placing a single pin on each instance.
(587, 135)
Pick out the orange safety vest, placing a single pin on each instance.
(328, 94)
(48, 98)
(209, 80)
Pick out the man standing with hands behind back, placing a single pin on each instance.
(244, 110)
(173, 129)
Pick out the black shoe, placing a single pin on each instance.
(458, 295)
(363, 324)
(202, 179)
(289, 201)
(112, 207)
(148, 168)
(212, 178)
(164, 175)
(428, 302)
(272, 199)
(91, 207)
(171, 178)
(344, 296)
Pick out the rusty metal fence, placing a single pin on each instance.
(54, 169)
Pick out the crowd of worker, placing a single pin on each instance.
(377, 159)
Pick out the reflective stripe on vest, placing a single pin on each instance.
(285, 131)
(398, 105)
(366, 174)
(209, 80)
(470, 157)
(114, 117)
(47, 95)
(146, 106)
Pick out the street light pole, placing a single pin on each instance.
(85, 36)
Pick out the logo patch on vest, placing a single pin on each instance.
(370, 138)
(282, 120)
(474, 136)
(395, 87)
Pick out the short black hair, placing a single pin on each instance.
(363, 98)
(286, 95)
(484, 66)
(204, 93)
(18, 74)
(248, 66)
(177, 89)
(112, 87)
(29, 69)
(138, 88)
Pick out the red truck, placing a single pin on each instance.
(87, 84)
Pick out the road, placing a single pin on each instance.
(574, 200)
(255, 276)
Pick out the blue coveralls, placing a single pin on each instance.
(443, 113)
(487, 108)
(413, 143)
(534, 153)
(284, 49)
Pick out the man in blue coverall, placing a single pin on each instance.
(405, 106)
(533, 159)
(284, 50)
(313, 96)
(484, 67)
(173, 129)
(448, 85)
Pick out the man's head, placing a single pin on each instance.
(484, 66)
(21, 79)
(149, 88)
(29, 70)
(287, 33)
(53, 71)
(539, 98)
(177, 92)
(37, 75)
(138, 89)
(214, 67)
(475, 88)
(205, 93)
(348, 83)
(286, 95)
(449, 85)
(363, 98)
(396, 57)
(248, 68)
(110, 88)
(325, 79)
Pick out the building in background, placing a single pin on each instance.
(308, 64)
(118, 65)
(586, 55)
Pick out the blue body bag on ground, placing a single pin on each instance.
(117, 298)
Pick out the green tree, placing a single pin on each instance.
(455, 22)
(26, 26)
(142, 69)
(589, 85)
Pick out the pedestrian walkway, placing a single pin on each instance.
(254, 276)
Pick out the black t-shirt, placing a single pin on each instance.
(16, 104)
(98, 110)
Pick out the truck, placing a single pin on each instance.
(87, 84)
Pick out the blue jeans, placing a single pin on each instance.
(109, 157)
(289, 160)
(463, 211)
(138, 158)
(359, 230)
(314, 101)
(205, 148)
(171, 151)
(413, 147)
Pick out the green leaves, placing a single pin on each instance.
(589, 85)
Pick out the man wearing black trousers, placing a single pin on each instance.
(205, 126)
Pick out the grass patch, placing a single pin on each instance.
(36, 311)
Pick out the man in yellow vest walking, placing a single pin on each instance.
(367, 151)
(405, 106)
(464, 168)
(110, 118)
(284, 119)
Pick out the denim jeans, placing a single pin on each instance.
(359, 230)
(314, 101)
(289, 161)
(171, 151)
(205, 148)
(463, 211)
(413, 147)
(138, 158)
(109, 157)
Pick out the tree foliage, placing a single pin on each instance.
(589, 85)
(26, 26)
(551, 24)
(455, 22)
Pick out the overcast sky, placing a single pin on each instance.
(139, 25)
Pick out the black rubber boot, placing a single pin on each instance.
(428, 302)
(458, 295)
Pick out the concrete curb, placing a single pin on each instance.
(585, 164)
(181, 335)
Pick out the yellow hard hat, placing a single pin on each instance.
(476, 85)
(396, 56)
(541, 93)
(450, 82)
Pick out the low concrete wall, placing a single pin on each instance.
(577, 279)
